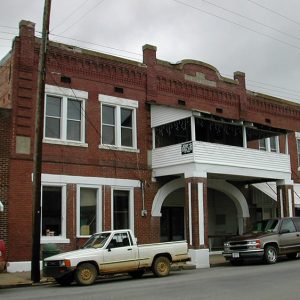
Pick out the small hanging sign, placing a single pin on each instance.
(187, 148)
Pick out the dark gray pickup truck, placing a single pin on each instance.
(267, 240)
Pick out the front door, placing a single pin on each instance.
(120, 255)
(172, 224)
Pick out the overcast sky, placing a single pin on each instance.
(258, 37)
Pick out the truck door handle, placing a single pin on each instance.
(129, 249)
(298, 235)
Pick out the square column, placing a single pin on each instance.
(285, 198)
(196, 217)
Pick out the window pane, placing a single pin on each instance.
(121, 209)
(51, 211)
(262, 144)
(108, 135)
(74, 130)
(53, 106)
(52, 127)
(108, 115)
(273, 144)
(88, 208)
(126, 117)
(74, 109)
(126, 137)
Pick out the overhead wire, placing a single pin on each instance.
(237, 24)
(251, 19)
(274, 12)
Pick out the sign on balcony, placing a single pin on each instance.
(187, 148)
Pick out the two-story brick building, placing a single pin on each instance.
(171, 151)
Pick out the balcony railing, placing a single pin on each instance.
(222, 159)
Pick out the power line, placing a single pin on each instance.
(95, 44)
(274, 12)
(250, 19)
(83, 16)
(237, 24)
(68, 17)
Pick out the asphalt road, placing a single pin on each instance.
(259, 282)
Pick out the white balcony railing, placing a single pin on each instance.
(223, 159)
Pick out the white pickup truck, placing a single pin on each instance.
(114, 252)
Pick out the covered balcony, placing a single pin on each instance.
(187, 141)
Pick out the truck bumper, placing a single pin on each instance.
(57, 272)
(244, 255)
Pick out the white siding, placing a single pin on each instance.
(162, 115)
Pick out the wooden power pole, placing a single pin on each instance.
(37, 155)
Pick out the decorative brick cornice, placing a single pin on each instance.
(196, 91)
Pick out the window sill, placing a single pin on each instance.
(65, 143)
(54, 239)
(115, 148)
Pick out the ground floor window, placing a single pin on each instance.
(122, 209)
(53, 204)
(89, 212)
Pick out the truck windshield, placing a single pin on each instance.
(270, 225)
(96, 240)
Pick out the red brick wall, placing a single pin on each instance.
(5, 138)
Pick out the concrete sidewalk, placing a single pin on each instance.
(21, 279)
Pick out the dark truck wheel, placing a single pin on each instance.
(271, 254)
(161, 266)
(137, 274)
(85, 274)
(65, 280)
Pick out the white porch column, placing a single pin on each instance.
(245, 137)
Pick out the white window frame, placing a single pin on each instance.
(99, 214)
(268, 145)
(131, 205)
(298, 150)
(65, 94)
(63, 237)
(119, 103)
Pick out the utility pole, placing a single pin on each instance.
(38, 143)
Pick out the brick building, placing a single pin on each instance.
(171, 151)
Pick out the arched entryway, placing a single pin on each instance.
(172, 195)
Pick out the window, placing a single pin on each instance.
(288, 225)
(118, 117)
(298, 151)
(119, 240)
(122, 209)
(89, 215)
(64, 115)
(53, 223)
(270, 144)
(262, 144)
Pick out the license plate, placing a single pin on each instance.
(235, 255)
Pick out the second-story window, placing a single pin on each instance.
(270, 144)
(262, 144)
(64, 115)
(118, 128)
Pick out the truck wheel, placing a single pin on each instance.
(137, 274)
(85, 274)
(271, 254)
(161, 266)
(65, 280)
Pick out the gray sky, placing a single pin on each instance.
(258, 37)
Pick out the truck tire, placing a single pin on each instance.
(65, 280)
(137, 274)
(271, 254)
(85, 274)
(161, 266)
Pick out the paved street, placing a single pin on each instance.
(262, 282)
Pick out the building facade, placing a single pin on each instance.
(171, 151)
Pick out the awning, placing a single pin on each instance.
(270, 189)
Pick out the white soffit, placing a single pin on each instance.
(268, 188)
(163, 115)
